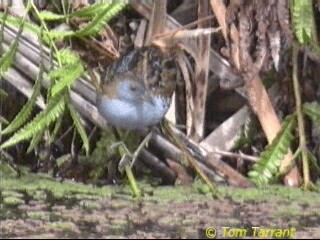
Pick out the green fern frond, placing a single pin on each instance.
(57, 35)
(55, 131)
(101, 13)
(68, 57)
(263, 171)
(50, 16)
(16, 21)
(312, 110)
(33, 28)
(25, 112)
(7, 59)
(79, 126)
(36, 138)
(64, 76)
(90, 11)
(302, 18)
(86, 12)
(43, 120)
(100, 20)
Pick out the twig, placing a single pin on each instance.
(236, 155)
(302, 136)
(157, 166)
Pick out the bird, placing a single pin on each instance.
(136, 91)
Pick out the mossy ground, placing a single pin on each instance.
(36, 205)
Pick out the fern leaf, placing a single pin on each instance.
(68, 57)
(36, 138)
(16, 21)
(263, 171)
(89, 11)
(7, 59)
(66, 75)
(100, 20)
(55, 131)
(312, 110)
(70, 71)
(25, 112)
(302, 20)
(50, 16)
(56, 35)
(53, 111)
(79, 126)
(102, 13)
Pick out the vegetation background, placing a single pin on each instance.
(248, 101)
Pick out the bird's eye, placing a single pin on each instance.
(133, 88)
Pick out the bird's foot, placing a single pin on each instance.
(126, 155)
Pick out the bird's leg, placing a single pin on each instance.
(124, 165)
(127, 168)
(141, 146)
(125, 154)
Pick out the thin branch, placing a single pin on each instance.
(302, 136)
(236, 155)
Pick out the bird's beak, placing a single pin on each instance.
(147, 98)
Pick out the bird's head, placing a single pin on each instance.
(126, 88)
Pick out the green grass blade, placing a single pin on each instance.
(79, 126)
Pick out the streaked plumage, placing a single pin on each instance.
(137, 90)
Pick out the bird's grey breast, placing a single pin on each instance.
(133, 115)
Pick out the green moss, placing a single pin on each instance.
(167, 220)
(87, 204)
(43, 187)
(164, 195)
(12, 201)
(82, 196)
(291, 211)
(37, 184)
(66, 226)
(39, 195)
(39, 215)
(11, 194)
(271, 194)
